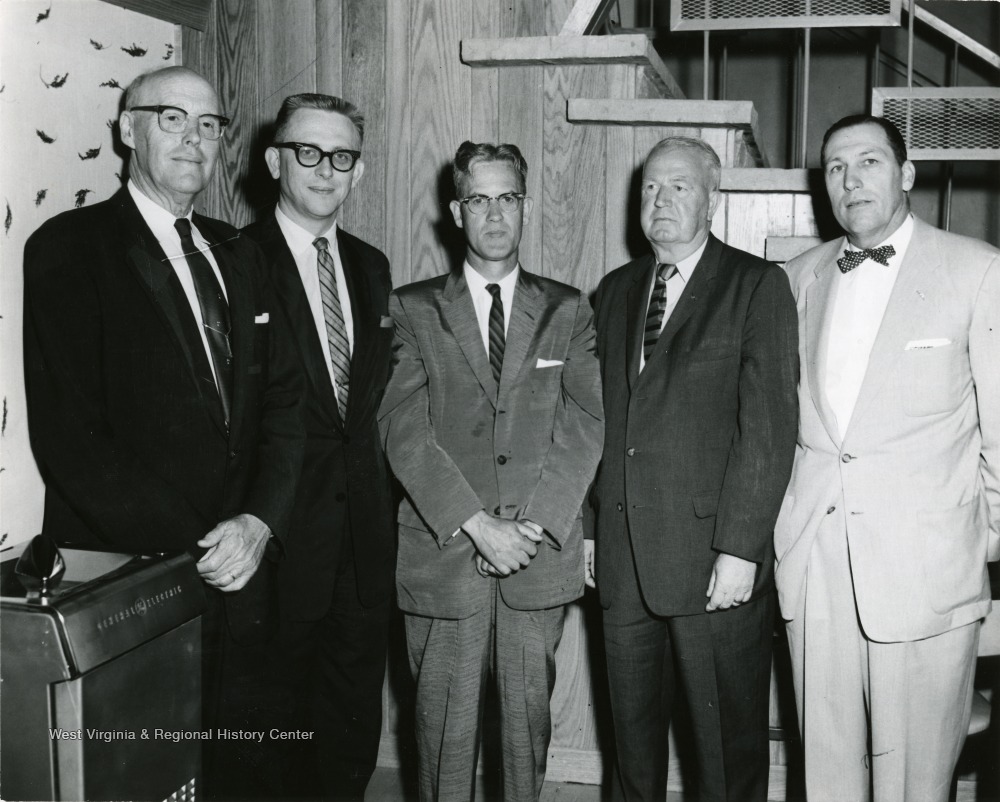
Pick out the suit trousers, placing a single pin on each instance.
(722, 661)
(328, 676)
(451, 660)
(917, 695)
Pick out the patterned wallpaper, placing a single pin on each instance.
(63, 67)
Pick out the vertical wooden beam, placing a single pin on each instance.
(484, 124)
(398, 48)
(620, 167)
(330, 47)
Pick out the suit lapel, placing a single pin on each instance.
(820, 296)
(525, 310)
(461, 316)
(292, 296)
(636, 303)
(904, 314)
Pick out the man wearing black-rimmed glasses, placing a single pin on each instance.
(493, 423)
(335, 582)
(162, 394)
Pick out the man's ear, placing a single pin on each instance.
(273, 160)
(126, 130)
(526, 206)
(359, 170)
(909, 175)
(456, 212)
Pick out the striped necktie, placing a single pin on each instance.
(657, 306)
(336, 330)
(496, 332)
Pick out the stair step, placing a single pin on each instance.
(569, 50)
(738, 114)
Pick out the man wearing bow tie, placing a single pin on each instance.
(335, 582)
(162, 392)
(894, 504)
(492, 422)
(698, 359)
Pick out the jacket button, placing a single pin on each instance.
(631, 452)
(830, 509)
(502, 459)
(846, 458)
(620, 507)
(496, 510)
(233, 453)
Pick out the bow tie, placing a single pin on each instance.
(851, 259)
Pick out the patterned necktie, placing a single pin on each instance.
(214, 314)
(657, 306)
(336, 330)
(851, 259)
(496, 332)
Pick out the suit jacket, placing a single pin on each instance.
(345, 488)
(459, 444)
(916, 479)
(699, 444)
(125, 417)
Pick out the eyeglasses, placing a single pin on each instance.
(173, 120)
(341, 160)
(479, 204)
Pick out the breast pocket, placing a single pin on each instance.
(935, 379)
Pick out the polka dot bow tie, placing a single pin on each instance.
(851, 259)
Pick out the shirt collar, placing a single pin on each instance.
(299, 240)
(159, 220)
(898, 239)
(686, 266)
(477, 284)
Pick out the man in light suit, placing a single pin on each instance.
(894, 502)
(335, 581)
(492, 422)
(698, 360)
(163, 396)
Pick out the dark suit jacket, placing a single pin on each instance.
(345, 487)
(125, 418)
(699, 446)
(459, 444)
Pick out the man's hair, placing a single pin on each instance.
(699, 146)
(311, 100)
(470, 153)
(134, 90)
(895, 138)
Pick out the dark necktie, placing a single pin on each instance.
(851, 259)
(657, 306)
(336, 329)
(214, 314)
(496, 332)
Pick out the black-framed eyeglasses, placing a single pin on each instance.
(174, 120)
(479, 204)
(341, 159)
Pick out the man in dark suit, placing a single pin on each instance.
(163, 398)
(335, 582)
(492, 422)
(697, 343)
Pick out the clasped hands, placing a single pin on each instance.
(502, 547)
(235, 548)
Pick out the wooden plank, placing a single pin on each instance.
(440, 89)
(803, 216)
(585, 17)
(484, 122)
(364, 25)
(286, 53)
(398, 133)
(574, 180)
(193, 14)
(620, 170)
(783, 248)
(746, 223)
(521, 123)
(238, 85)
(330, 47)
(765, 180)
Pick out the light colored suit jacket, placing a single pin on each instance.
(459, 444)
(916, 479)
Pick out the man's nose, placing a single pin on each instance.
(493, 210)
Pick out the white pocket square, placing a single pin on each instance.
(936, 342)
(262, 318)
(548, 363)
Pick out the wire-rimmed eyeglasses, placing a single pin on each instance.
(341, 159)
(174, 120)
(479, 204)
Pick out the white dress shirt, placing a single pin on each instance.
(482, 300)
(300, 243)
(675, 289)
(161, 223)
(861, 297)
